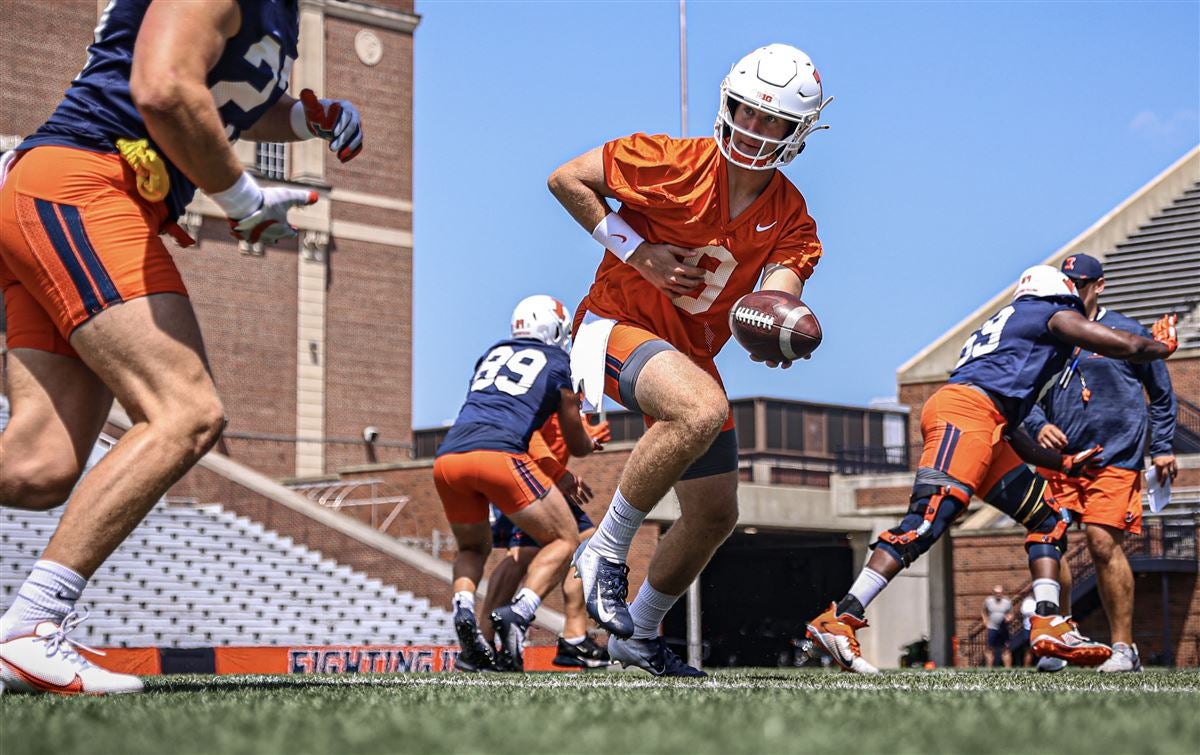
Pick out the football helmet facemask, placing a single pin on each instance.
(777, 79)
(543, 318)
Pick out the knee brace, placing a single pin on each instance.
(1025, 497)
(932, 508)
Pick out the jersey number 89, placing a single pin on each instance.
(525, 365)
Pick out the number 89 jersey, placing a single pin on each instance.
(1014, 354)
(516, 387)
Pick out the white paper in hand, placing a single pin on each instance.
(1158, 492)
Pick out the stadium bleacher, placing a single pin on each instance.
(199, 576)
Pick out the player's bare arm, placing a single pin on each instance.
(1082, 464)
(581, 189)
(574, 429)
(1075, 329)
(177, 45)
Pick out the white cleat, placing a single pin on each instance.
(1050, 664)
(837, 634)
(1124, 660)
(47, 661)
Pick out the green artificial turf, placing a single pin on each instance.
(759, 711)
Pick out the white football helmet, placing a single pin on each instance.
(1044, 281)
(778, 79)
(544, 319)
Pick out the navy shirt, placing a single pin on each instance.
(1013, 355)
(516, 387)
(1115, 415)
(249, 77)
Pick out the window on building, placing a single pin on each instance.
(270, 159)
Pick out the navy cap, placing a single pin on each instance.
(1082, 267)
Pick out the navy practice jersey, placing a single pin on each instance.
(1013, 355)
(249, 77)
(1115, 414)
(516, 387)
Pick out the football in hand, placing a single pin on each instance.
(774, 326)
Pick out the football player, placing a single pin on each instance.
(701, 221)
(517, 384)
(95, 305)
(974, 444)
(548, 448)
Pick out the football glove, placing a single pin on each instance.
(601, 433)
(1085, 464)
(335, 121)
(1164, 332)
(269, 223)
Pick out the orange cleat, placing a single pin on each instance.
(1059, 637)
(836, 635)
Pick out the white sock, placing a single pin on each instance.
(526, 603)
(869, 584)
(465, 599)
(48, 594)
(620, 523)
(574, 640)
(648, 610)
(1046, 590)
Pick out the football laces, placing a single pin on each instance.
(753, 318)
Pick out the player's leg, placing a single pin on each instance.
(548, 521)
(1024, 496)
(466, 509)
(957, 427)
(575, 648)
(503, 583)
(689, 409)
(708, 513)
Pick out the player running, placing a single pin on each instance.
(549, 449)
(516, 386)
(701, 220)
(974, 444)
(95, 305)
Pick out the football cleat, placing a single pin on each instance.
(651, 654)
(510, 629)
(1124, 660)
(586, 654)
(1050, 665)
(48, 661)
(477, 653)
(836, 634)
(605, 587)
(1059, 637)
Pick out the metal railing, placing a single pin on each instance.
(1187, 427)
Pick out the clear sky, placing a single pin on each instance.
(968, 141)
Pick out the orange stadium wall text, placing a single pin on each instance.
(337, 659)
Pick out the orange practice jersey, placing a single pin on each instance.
(676, 191)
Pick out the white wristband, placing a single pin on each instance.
(616, 236)
(299, 121)
(241, 199)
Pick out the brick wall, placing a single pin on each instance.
(32, 80)
(981, 561)
(1185, 378)
(874, 498)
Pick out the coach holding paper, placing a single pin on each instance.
(1099, 401)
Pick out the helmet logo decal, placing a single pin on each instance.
(1069, 264)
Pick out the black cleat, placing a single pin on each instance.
(510, 630)
(605, 587)
(653, 655)
(586, 654)
(477, 653)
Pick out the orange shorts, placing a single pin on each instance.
(621, 366)
(75, 239)
(467, 482)
(963, 436)
(1113, 499)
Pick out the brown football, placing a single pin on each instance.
(775, 326)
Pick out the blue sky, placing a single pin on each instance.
(968, 141)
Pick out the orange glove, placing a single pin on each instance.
(1164, 332)
(1084, 464)
(600, 432)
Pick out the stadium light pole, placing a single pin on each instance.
(694, 643)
